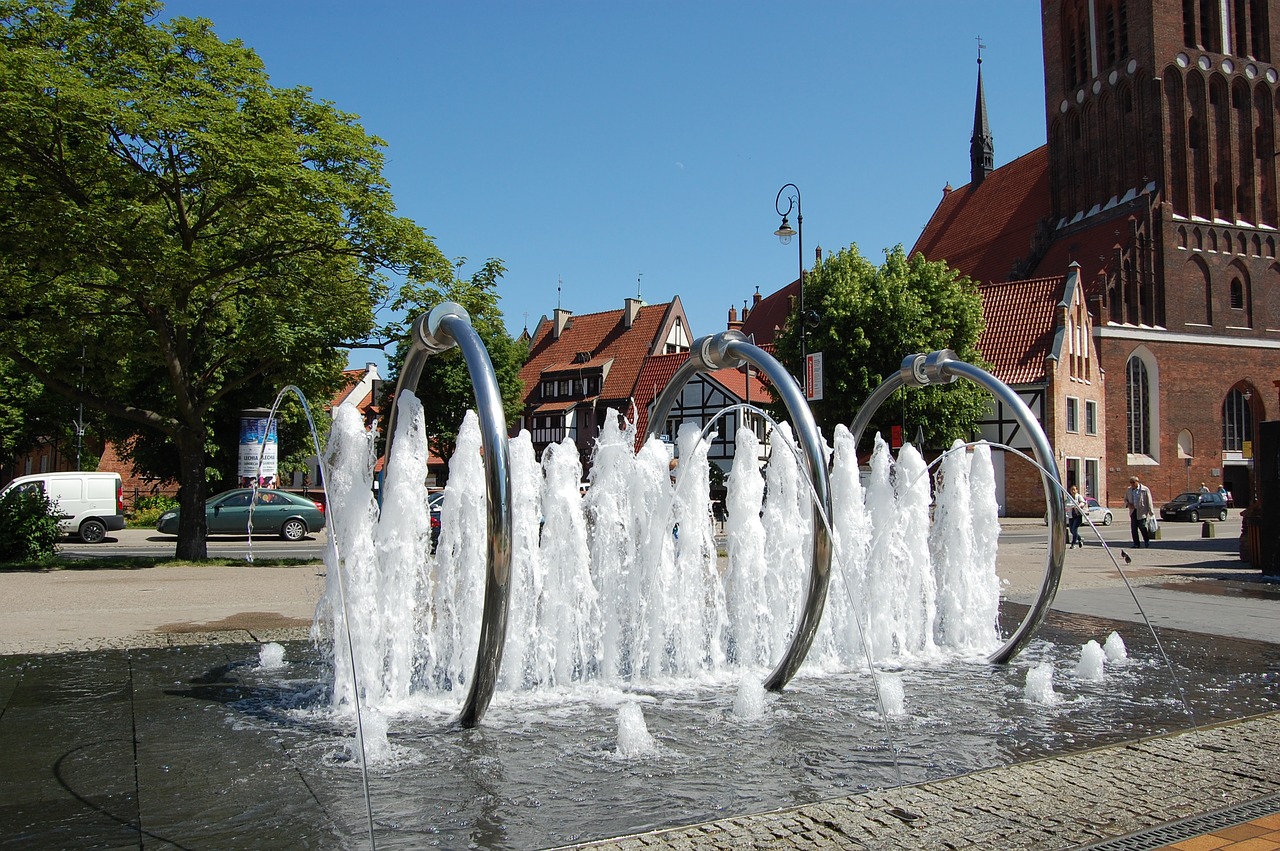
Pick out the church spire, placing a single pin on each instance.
(982, 148)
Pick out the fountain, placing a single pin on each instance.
(629, 676)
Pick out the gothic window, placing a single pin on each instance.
(1201, 273)
(1237, 422)
(1263, 152)
(1237, 294)
(1210, 26)
(1176, 105)
(1138, 396)
(1189, 23)
(1259, 47)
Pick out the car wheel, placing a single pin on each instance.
(92, 531)
(1222, 515)
(1106, 519)
(1195, 517)
(293, 530)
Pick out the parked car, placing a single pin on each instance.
(89, 504)
(1099, 514)
(275, 512)
(1194, 507)
(435, 503)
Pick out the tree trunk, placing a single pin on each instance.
(191, 521)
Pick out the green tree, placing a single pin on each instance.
(206, 237)
(445, 384)
(865, 319)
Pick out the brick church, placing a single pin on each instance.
(1159, 180)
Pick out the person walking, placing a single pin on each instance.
(1141, 509)
(1076, 508)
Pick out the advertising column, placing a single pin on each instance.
(257, 440)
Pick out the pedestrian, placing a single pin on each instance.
(1076, 508)
(1204, 488)
(1141, 510)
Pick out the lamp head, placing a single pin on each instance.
(785, 232)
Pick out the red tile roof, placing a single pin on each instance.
(659, 370)
(1094, 249)
(769, 315)
(1021, 317)
(984, 230)
(605, 338)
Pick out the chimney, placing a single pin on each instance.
(947, 190)
(756, 298)
(734, 324)
(630, 310)
(561, 319)
(817, 256)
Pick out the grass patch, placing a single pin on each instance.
(142, 562)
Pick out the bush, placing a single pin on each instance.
(147, 510)
(28, 526)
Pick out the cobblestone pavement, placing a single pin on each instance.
(1055, 803)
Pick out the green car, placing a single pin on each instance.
(275, 512)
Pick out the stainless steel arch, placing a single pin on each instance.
(731, 349)
(942, 367)
(444, 327)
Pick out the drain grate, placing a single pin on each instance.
(1176, 831)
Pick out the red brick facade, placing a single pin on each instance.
(1162, 183)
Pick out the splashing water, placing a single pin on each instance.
(1090, 666)
(1114, 647)
(749, 701)
(893, 696)
(271, 656)
(624, 584)
(1039, 685)
(634, 739)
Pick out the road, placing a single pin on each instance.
(148, 543)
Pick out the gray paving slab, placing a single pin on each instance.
(1182, 606)
(1054, 803)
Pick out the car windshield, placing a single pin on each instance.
(1185, 498)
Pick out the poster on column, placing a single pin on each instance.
(257, 439)
(813, 377)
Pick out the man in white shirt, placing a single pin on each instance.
(1138, 499)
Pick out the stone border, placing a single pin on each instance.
(1052, 803)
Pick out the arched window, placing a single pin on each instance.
(1138, 394)
(1237, 294)
(1237, 420)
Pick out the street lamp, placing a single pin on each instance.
(784, 234)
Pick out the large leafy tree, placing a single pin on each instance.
(204, 237)
(865, 319)
(445, 384)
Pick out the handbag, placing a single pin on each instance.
(1153, 526)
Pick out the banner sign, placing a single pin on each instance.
(813, 377)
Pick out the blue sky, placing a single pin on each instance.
(597, 142)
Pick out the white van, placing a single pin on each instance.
(91, 504)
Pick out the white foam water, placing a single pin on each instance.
(634, 739)
(624, 584)
(1115, 650)
(1090, 666)
(1039, 685)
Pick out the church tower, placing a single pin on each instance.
(982, 148)
(1162, 165)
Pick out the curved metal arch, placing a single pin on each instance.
(943, 367)
(447, 325)
(731, 349)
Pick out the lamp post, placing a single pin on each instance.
(784, 234)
